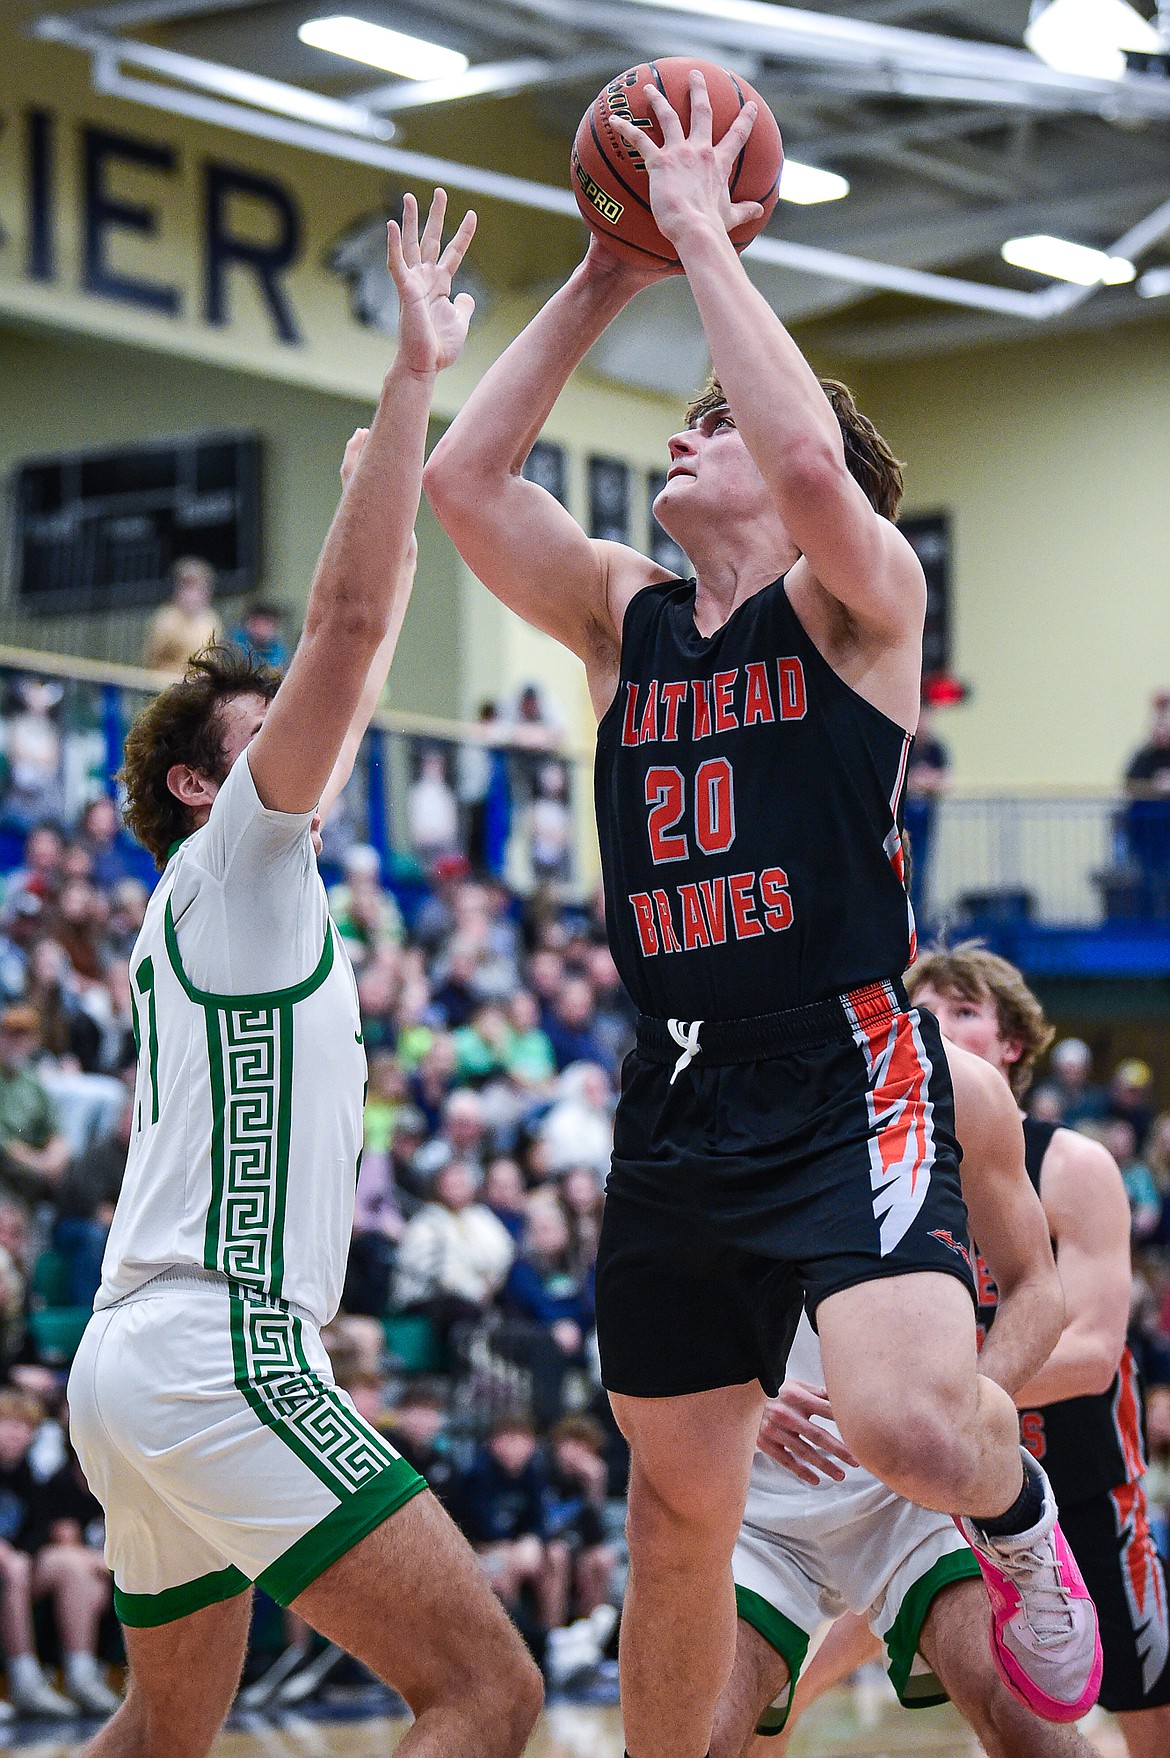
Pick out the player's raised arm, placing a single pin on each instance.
(362, 580)
(773, 394)
(380, 664)
(1088, 1216)
(513, 535)
(1007, 1223)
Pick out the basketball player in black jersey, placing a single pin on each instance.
(1082, 1413)
(785, 1131)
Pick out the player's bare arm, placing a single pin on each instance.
(515, 536)
(848, 552)
(1088, 1217)
(1007, 1221)
(380, 665)
(357, 593)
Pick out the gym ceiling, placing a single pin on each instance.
(953, 136)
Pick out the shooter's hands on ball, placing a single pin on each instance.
(689, 174)
(789, 1435)
(432, 327)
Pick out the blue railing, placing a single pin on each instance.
(422, 788)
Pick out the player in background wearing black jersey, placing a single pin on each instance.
(786, 1127)
(1082, 1414)
(819, 1533)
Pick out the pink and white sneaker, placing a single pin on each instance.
(1044, 1634)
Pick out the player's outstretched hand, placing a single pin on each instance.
(432, 327)
(689, 174)
(789, 1435)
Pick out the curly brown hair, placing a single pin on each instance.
(869, 459)
(973, 972)
(182, 725)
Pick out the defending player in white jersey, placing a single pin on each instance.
(202, 1401)
(822, 1537)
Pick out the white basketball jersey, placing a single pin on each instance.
(251, 1072)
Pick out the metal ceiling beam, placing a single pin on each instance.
(234, 83)
(965, 179)
(487, 79)
(973, 233)
(875, 57)
(970, 169)
(940, 332)
(528, 34)
(952, 125)
(125, 14)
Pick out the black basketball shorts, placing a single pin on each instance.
(763, 1164)
(1109, 1535)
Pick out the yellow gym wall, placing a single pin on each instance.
(1051, 456)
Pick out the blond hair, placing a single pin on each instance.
(976, 974)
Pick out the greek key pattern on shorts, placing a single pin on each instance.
(308, 1414)
(251, 1069)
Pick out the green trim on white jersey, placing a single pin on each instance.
(250, 1060)
(310, 1416)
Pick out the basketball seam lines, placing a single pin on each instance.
(610, 166)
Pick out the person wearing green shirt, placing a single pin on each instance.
(33, 1151)
(530, 1061)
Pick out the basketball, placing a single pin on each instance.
(610, 180)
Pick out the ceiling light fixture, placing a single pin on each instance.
(1154, 284)
(808, 183)
(1089, 36)
(358, 40)
(1061, 260)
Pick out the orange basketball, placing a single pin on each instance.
(610, 180)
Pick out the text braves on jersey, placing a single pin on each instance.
(686, 917)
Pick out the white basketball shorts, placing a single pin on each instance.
(806, 1553)
(209, 1427)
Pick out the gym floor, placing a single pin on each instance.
(833, 1729)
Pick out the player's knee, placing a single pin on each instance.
(922, 1455)
(678, 1524)
(511, 1697)
(658, 1505)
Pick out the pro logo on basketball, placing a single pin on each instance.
(607, 207)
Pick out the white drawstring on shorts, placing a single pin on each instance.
(687, 1038)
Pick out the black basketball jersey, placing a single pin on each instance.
(749, 813)
(1086, 1445)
